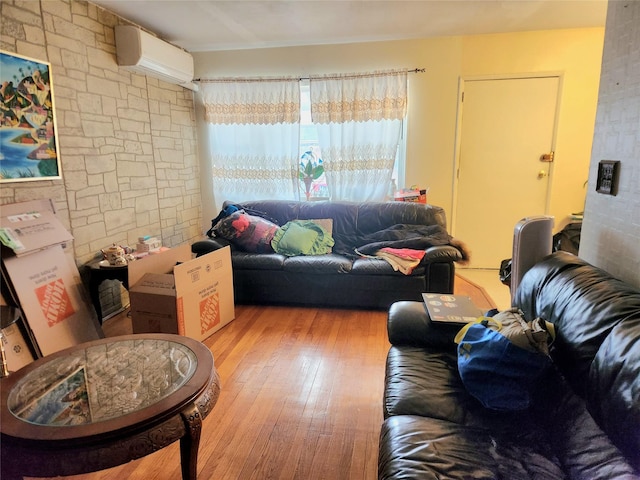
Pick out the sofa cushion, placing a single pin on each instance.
(302, 237)
(419, 382)
(326, 223)
(318, 264)
(614, 387)
(372, 266)
(422, 448)
(377, 266)
(584, 303)
(257, 261)
(344, 215)
(426, 382)
(585, 450)
(251, 233)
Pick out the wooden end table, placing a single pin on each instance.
(105, 403)
(98, 273)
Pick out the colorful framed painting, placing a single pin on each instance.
(28, 143)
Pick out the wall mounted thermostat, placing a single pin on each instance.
(608, 172)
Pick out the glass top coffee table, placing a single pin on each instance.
(104, 403)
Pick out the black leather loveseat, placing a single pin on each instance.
(342, 278)
(585, 419)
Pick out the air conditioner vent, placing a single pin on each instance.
(141, 52)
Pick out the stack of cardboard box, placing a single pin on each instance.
(170, 291)
(40, 278)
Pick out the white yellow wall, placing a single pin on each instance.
(433, 96)
(576, 55)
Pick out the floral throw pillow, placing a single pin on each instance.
(250, 233)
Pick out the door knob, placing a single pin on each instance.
(542, 174)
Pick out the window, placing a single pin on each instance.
(310, 151)
(310, 154)
(263, 143)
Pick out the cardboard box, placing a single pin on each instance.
(16, 349)
(43, 279)
(51, 295)
(162, 262)
(195, 299)
(31, 226)
(411, 195)
(153, 304)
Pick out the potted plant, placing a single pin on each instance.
(310, 169)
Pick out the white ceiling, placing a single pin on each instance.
(202, 25)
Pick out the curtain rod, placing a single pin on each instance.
(283, 79)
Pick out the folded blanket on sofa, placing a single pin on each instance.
(417, 237)
(402, 260)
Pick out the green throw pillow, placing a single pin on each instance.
(301, 237)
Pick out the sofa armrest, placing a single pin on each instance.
(409, 324)
(442, 254)
(203, 247)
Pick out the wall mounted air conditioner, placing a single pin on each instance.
(140, 52)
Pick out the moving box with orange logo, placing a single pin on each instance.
(43, 279)
(195, 299)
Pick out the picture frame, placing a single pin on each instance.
(28, 133)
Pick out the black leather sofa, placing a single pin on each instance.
(340, 278)
(585, 418)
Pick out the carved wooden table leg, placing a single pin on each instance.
(190, 442)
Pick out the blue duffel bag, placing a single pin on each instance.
(501, 357)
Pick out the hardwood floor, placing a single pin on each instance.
(478, 294)
(301, 397)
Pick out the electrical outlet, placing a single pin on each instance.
(608, 173)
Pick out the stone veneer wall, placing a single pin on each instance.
(127, 142)
(611, 228)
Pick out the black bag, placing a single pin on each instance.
(234, 207)
(505, 272)
(568, 239)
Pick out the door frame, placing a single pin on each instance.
(458, 134)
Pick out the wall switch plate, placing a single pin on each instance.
(608, 172)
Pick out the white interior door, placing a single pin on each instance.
(507, 125)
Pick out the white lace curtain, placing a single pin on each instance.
(254, 132)
(359, 121)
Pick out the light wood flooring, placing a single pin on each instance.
(301, 397)
(489, 279)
